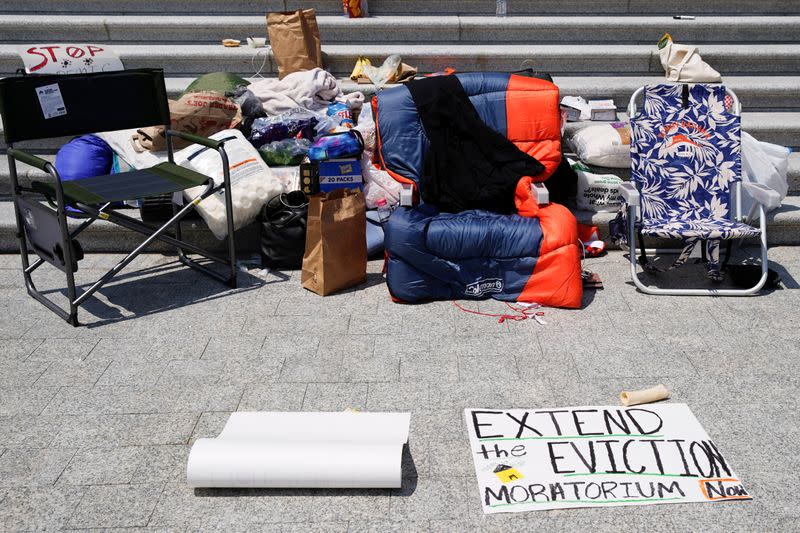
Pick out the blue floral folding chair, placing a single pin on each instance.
(686, 178)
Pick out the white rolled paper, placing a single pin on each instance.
(309, 450)
(636, 397)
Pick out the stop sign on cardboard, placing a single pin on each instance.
(68, 58)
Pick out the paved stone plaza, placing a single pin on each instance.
(96, 422)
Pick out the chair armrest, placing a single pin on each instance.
(762, 194)
(29, 159)
(630, 194)
(203, 141)
(540, 193)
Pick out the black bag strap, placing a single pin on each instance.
(284, 209)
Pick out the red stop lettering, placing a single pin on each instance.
(76, 52)
(33, 50)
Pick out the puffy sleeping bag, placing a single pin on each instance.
(522, 108)
(84, 157)
(532, 256)
(479, 254)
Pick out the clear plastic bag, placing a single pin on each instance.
(380, 76)
(297, 122)
(285, 152)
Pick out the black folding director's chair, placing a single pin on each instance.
(41, 107)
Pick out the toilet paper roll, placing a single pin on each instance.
(636, 397)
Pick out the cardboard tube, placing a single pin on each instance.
(636, 397)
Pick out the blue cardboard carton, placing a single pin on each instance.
(340, 173)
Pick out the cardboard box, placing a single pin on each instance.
(326, 176)
(603, 109)
(340, 173)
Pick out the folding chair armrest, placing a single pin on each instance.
(29, 159)
(203, 141)
(630, 194)
(762, 194)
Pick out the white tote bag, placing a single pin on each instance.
(683, 63)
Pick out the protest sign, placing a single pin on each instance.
(536, 459)
(68, 58)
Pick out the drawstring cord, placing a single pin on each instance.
(522, 314)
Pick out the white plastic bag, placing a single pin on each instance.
(764, 163)
(604, 145)
(596, 192)
(252, 181)
(380, 76)
(377, 183)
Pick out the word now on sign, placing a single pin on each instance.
(68, 58)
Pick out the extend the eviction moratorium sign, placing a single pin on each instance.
(534, 459)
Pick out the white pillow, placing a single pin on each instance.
(604, 145)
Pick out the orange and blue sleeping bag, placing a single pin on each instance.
(530, 256)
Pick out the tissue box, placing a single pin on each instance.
(603, 109)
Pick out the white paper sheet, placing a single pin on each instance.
(314, 450)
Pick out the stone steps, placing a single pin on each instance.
(576, 59)
(776, 93)
(592, 48)
(26, 174)
(103, 236)
(774, 127)
(783, 229)
(196, 29)
(411, 7)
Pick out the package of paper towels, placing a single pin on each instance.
(252, 181)
(308, 450)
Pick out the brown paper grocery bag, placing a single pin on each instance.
(199, 113)
(294, 38)
(336, 242)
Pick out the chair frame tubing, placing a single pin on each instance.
(106, 212)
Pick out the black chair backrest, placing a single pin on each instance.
(102, 101)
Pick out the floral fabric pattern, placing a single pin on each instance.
(684, 159)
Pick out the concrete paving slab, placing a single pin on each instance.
(127, 374)
(103, 466)
(59, 350)
(129, 429)
(39, 508)
(113, 436)
(116, 506)
(25, 400)
(25, 467)
(379, 526)
(162, 463)
(16, 349)
(72, 373)
(27, 431)
(272, 397)
(24, 373)
(335, 396)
